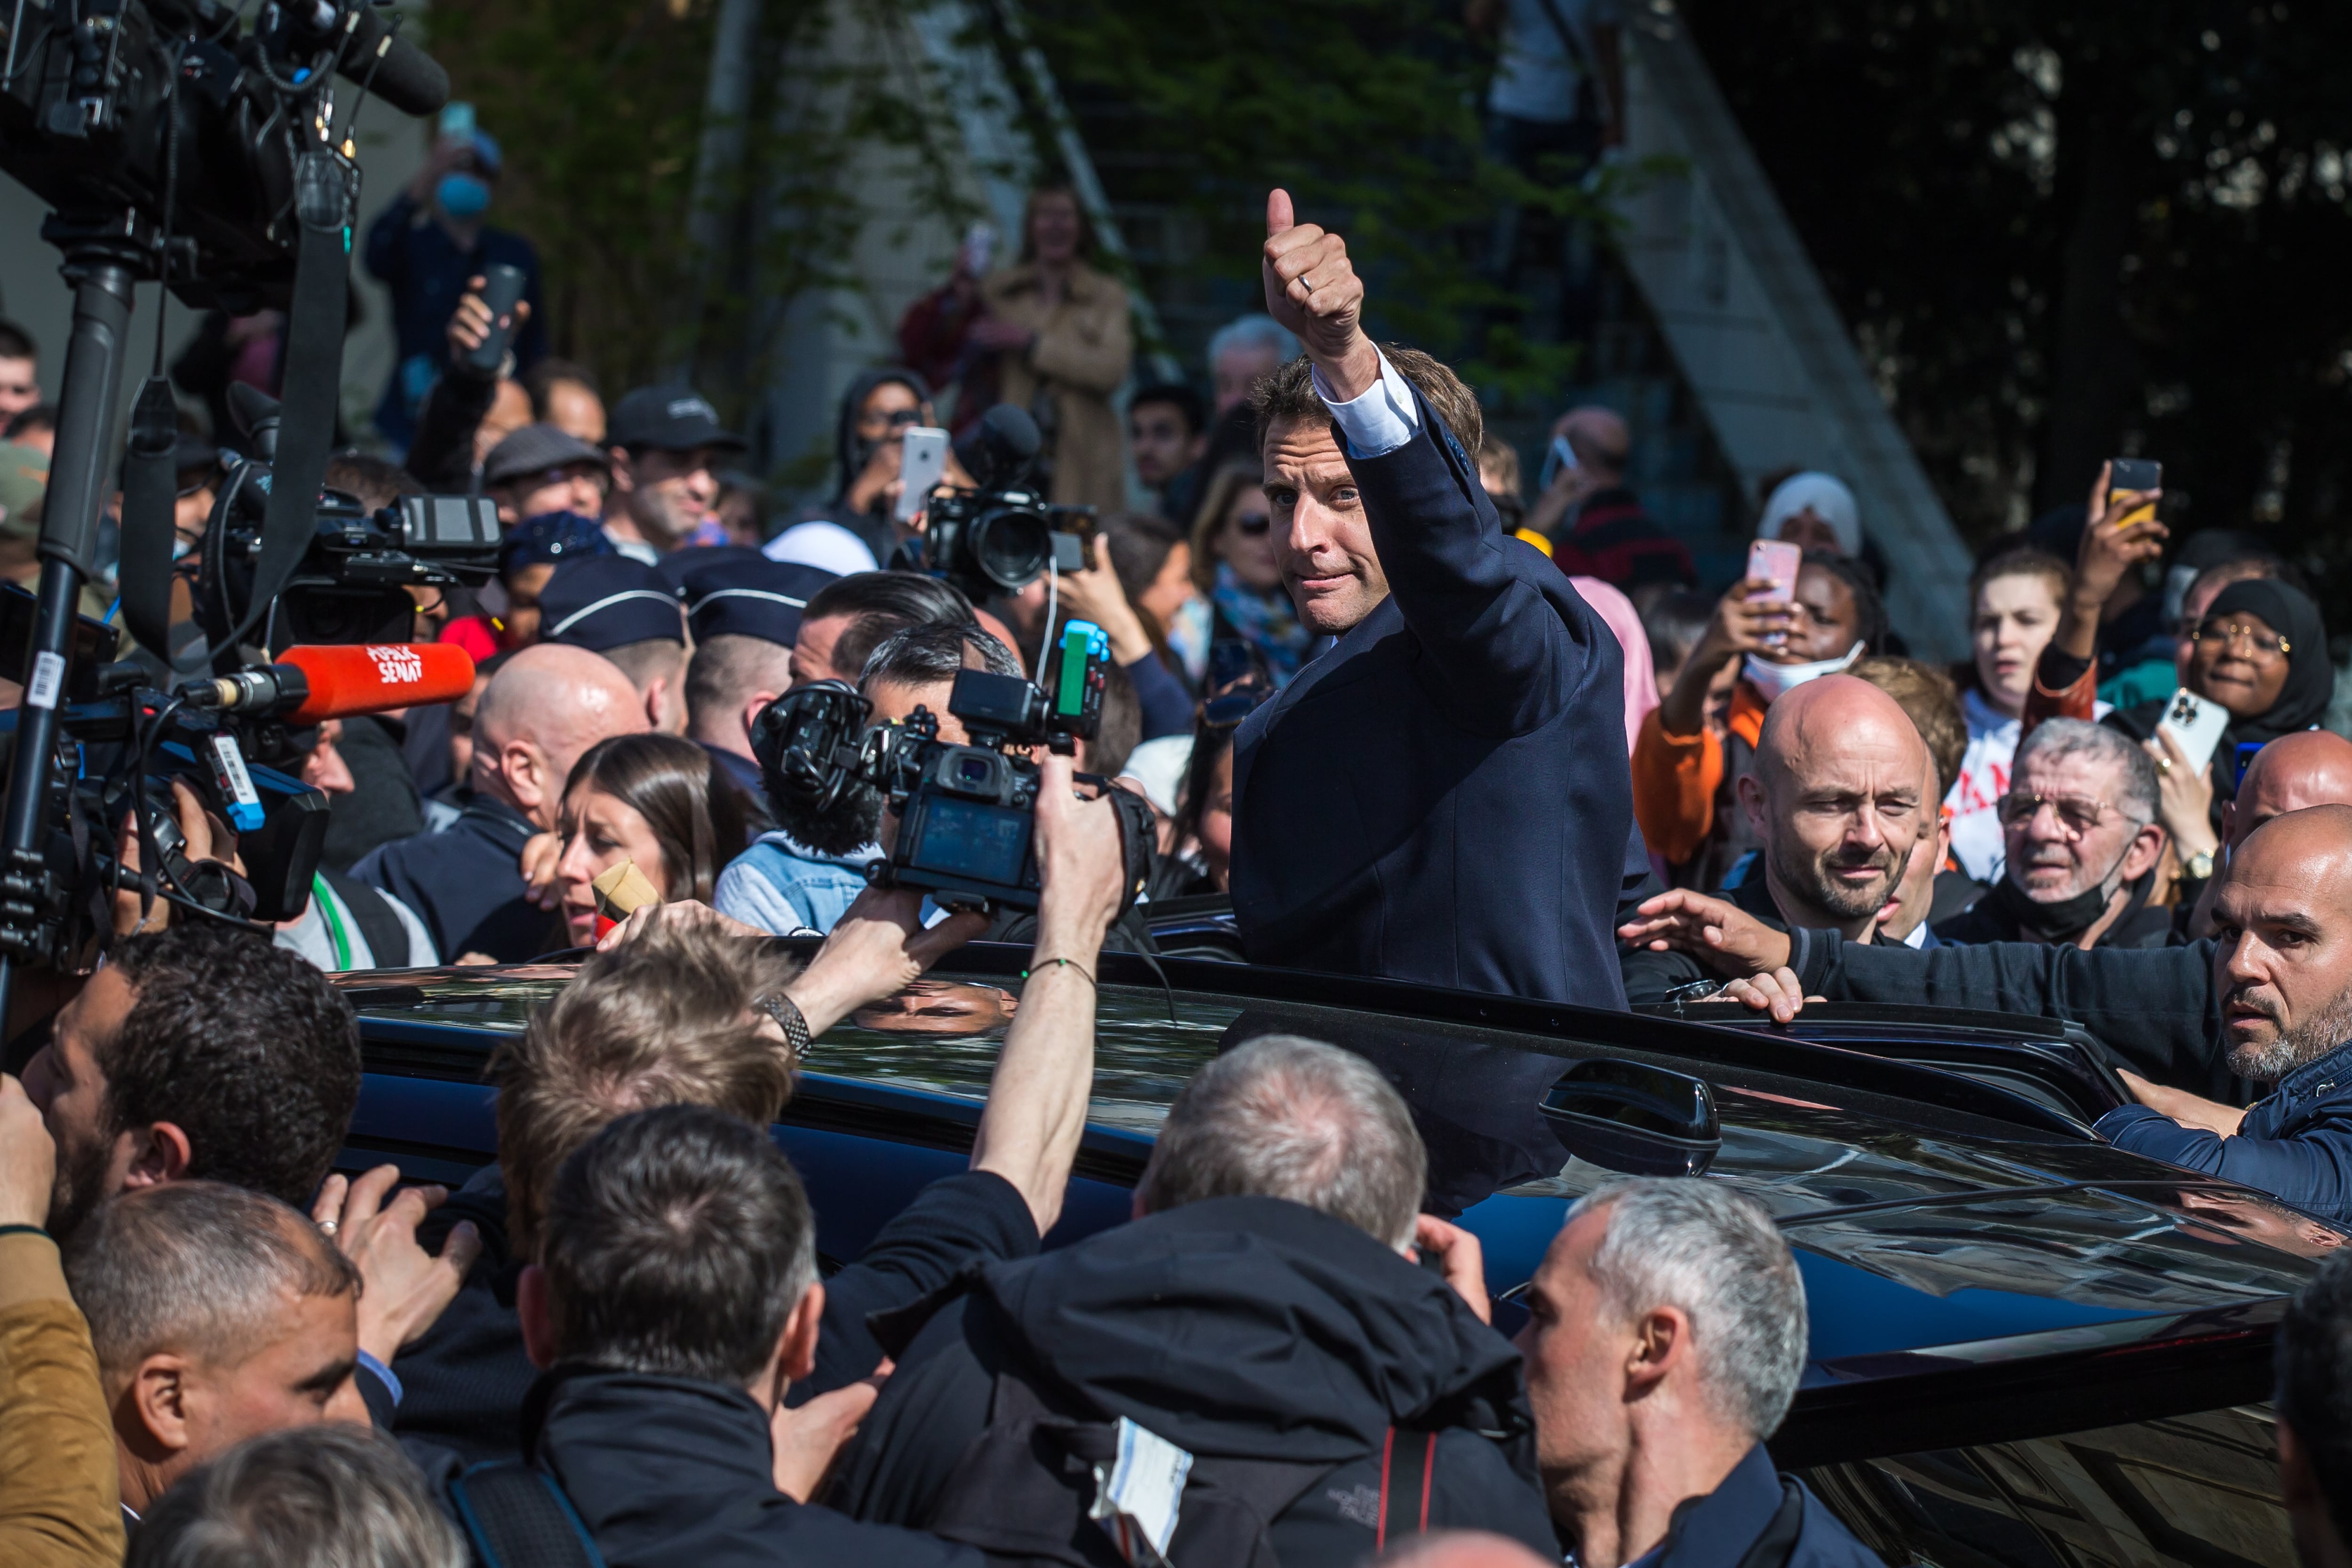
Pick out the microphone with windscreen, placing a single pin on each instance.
(310, 683)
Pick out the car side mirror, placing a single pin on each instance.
(1632, 1117)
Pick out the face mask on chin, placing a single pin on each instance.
(1776, 680)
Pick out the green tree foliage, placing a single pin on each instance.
(597, 105)
(1366, 109)
(2065, 232)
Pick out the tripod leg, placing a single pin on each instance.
(86, 411)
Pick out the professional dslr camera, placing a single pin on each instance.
(1000, 538)
(966, 813)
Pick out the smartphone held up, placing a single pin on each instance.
(2133, 475)
(1776, 561)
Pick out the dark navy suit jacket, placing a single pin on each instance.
(1444, 796)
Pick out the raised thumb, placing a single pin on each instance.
(1278, 216)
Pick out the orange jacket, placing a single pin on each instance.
(1678, 778)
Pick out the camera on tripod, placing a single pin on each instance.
(177, 145)
(1001, 536)
(966, 813)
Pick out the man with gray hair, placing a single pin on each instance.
(1244, 351)
(1261, 1315)
(2080, 832)
(1666, 1336)
(333, 1494)
(218, 1314)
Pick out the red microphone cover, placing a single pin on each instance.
(353, 678)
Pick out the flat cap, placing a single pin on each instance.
(536, 448)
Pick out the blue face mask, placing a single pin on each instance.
(463, 196)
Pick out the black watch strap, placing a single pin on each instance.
(787, 1014)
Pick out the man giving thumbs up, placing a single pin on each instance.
(1442, 795)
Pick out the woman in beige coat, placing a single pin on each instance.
(1064, 346)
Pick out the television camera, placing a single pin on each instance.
(177, 145)
(966, 830)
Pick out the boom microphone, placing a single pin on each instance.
(311, 684)
(392, 68)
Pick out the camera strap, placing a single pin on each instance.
(324, 204)
(150, 492)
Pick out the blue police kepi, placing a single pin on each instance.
(608, 602)
(731, 591)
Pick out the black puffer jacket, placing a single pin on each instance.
(1242, 1328)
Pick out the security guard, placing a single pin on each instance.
(623, 609)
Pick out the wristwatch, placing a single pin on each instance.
(787, 1014)
(2200, 867)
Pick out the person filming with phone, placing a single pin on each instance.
(2257, 669)
(1794, 619)
(1441, 797)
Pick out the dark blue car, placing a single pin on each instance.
(2028, 1348)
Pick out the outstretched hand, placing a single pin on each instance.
(1723, 936)
(1311, 287)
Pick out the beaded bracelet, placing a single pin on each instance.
(1065, 963)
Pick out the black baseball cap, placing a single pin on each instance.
(606, 601)
(675, 418)
(758, 598)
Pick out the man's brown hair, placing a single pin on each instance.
(1289, 394)
(1928, 696)
(665, 1021)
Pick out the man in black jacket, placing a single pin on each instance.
(1666, 1337)
(676, 1298)
(683, 1011)
(1443, 796)
(1263, 1316)
(2081, 840)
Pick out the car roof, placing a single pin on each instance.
(1940, 1224)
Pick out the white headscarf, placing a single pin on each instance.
(828, 546)
(1830, 500)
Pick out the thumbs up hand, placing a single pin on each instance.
(1312, 289)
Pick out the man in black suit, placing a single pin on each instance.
(1443, 796)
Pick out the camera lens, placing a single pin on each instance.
(1011, 545)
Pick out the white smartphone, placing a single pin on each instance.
(922, 464)
(2195, 726)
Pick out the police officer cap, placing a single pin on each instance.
(698, 568)
(673, 418)
(763, 599)
(608, 601)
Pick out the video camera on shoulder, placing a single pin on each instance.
(967, 825)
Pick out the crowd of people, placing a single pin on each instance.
(1404, 713)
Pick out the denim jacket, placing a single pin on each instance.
(780, 886)
(2296, 1142)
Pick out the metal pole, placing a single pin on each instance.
(102, 274)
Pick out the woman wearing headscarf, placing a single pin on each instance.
(2260, 652)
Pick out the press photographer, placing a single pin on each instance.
(1442, 795)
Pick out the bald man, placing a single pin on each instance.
(543, 711)
(1595, 522)
(1459, 1548)
(1838, 800)
(2283, 976)
(2313, 768)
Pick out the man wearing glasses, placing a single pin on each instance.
(2080, 832)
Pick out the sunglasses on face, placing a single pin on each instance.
(1254, 524)
(2228, 633)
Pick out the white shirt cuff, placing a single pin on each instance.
(1381, 421)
